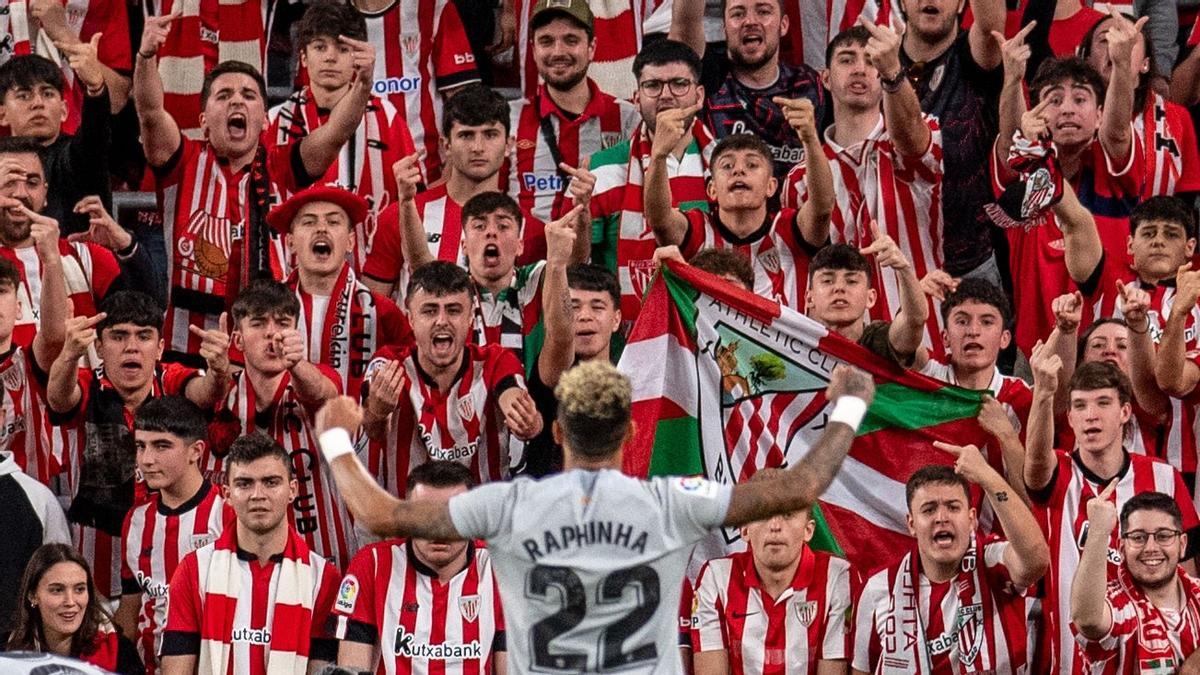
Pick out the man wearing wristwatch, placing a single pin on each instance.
(887, 162)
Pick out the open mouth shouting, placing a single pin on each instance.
(131, 367)
(491, 255)
(943, 538)
(237, 126)
(739, 187)
(322, 248)
(443, 343)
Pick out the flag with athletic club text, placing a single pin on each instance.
(726, 383)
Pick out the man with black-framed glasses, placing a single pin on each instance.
(669, 89)
(1151, 611)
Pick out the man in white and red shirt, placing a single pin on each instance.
(569, 118)
(92, 265)
(617, 26)
(1147, 619)
(424, 59)
(343, 321)
(417, 605)
(443, 398)
(92, 410)
(668, 75)
(185, 513)
(886, 159)
(257, 600)
(476, 139)
(364, 164)
(778, 604)
(956, 602)
(1060, 483)
(214, 194)
(277, 393)
(779, 244)
(26, 432)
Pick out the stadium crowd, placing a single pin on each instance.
(460, 202)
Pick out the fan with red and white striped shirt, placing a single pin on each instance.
(317, 512)
(155, 539)
(1060, 508)
(421, 624)
(441, 217)
(873, 182)
(463, 425)
(805, 624)
(27, 431)
(422, 52)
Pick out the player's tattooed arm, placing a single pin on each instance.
(800, 486)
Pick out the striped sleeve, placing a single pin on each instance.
(837, 618)
(708, 635)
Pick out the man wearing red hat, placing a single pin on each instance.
(343, 322)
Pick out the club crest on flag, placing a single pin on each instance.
(640, 274)
(805, 611)
(468, 606)
(970, 632)
(466, 409)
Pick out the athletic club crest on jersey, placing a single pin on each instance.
(640, 274)
(466, 409)
(805, 611)
(970, 632)
(468, 607)
(411, 43)
(769, 260)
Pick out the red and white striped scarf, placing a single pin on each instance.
(917, 653)
(349, 335)
(1153, 641)
(220, 587)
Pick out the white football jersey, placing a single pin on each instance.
(591, 565)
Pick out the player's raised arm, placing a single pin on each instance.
(371, 505)
(851, 391)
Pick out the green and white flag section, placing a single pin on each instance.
(726, 382)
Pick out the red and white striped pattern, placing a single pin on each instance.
(462, 425)
(154, 540)
(811, 25)
(417, 622)
(421, 51)
(88, 269)
(1063, 519)
(777, 251)
(903, 195)
(617, 27)
(207, 33)
(318, 513)
(885, 625)
(27, 431)
(441, 217)
(761, 634)
(206, 212)
(532, 174)
(1143, 636)
(1170, 149)
(364, 164)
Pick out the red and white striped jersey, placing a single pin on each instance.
(507, 317)
(318, 512)
(533, 176)
(77, 434)
(617, 28)
(1144, 638)
(903, 195)
(393, 601)
(364, 164)
(811, 26)
(777, 251)
(155, 538)
(207, 33)
(27, 432)
(421, 51)
(190, 611)
(1170, 149)
(1061, 511)
(345, 329)
(441, 217)
(760, 634)
(20, 34)
(973, 623)
(461, 425)
(88, 268)
(206, 217)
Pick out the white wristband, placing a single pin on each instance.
(848, 410)
(334, 443)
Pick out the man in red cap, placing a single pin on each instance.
(343, 322)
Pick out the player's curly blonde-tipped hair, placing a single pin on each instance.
(593, 408)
